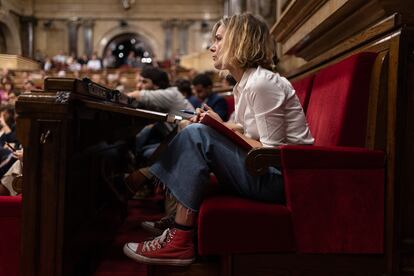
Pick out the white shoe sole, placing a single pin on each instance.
(142, 259)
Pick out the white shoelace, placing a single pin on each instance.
(158, 242)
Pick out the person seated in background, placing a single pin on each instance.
(6, 89)
(184, 86)
(132, 60)
(11, 182)
(28, 86)
(109, 60)
(13, 98)
(8, 140)
(155, 93)
(203, 89)
(60, 59)
(83, 61)
(73, 65)
(94, 63)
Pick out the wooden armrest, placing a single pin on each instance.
(259, 159)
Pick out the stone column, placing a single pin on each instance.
(3, 45)
(168, 42)
(226, 7)
(253, 6)
(237, 6)
(73, 26)
(183, 35)
(28, 24)
(88, 36)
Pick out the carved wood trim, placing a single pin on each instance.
(307, 29)
(376, 123)
(294, 16)
(350, 46)
(345, 24)
(258, 160)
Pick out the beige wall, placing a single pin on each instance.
(145, 17)
(10, 25)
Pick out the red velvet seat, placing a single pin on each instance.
(230, 104)
(251, 218)
(10, 220)
(303, 89)
(334, 189)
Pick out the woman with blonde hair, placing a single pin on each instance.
(267, 111)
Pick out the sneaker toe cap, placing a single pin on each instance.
(131, 246)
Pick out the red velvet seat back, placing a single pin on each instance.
(337, 111)
(303, 89)
(230, 104)
(10, 219)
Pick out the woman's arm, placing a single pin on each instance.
(135, 94)
(236, 127)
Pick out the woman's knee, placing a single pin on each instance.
(195, 129)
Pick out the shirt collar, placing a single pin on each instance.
(242, 83)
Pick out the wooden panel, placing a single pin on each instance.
(376, 125)
(336, 33)
(372, 35)
(290, 21)
(318, 22)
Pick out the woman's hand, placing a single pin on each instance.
(201, 112)
(18, 154)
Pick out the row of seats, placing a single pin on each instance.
(334, 189)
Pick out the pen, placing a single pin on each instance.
(10, 147)
(188, 112)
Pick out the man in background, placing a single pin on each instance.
(203, 89)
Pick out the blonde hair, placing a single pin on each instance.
(246, 42)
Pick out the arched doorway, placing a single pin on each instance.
(9, 32)
(128, 49)
(3, 47)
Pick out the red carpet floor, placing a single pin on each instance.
(114, 262)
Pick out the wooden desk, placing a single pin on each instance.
(75, 154)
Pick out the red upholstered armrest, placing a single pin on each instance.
(259, 159)
(335, 194)
(10, 206)
(10, 218)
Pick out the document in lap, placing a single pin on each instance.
(233, 135)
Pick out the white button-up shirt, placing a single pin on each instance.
(267, 107)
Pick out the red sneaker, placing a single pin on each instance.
(173, 247)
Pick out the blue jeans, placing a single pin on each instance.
(198, 150)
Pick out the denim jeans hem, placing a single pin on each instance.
(158, 172)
